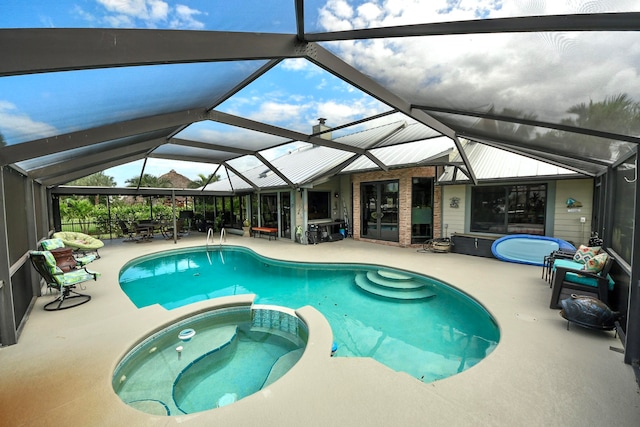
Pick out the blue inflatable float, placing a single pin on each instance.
(527, 248)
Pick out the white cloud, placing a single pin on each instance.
(149, 13)
(185, 18)
(277, 112)
(296, 64)
(18, 127)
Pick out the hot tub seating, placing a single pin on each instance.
(271, 232)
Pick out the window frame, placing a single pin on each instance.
(516, 209)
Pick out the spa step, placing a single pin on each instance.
(405, 284)
(401, 294)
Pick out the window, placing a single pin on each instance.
(319, 204)
(509, 209)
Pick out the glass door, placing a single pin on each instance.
(370, 209)
(380, 210)
(285, 214)
(269, 210)
(421, 209)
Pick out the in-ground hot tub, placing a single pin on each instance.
(210, 359)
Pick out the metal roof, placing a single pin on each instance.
(491, 164)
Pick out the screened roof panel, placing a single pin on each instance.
(295, 93)
(222, 134)
(246, 15)
(48, 104)
(305, 165)
(548, 77)
(571, 145)
(300, 167)
(336, 15)
(568, 97)
(409, 154)
(372, 137)
(192, 153)
(78, 154)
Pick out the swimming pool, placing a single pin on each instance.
(434, 336)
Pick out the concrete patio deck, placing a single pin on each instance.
(540, 374)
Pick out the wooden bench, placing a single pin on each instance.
(258, 231)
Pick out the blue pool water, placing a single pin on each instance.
(231, 353)
(429, 338)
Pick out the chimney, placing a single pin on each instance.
(321, 127)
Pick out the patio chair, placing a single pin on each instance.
(65, 258)
(135, 234)
(580, 281)
(168, 231)
(549, 260)
(80, 242)
(45, 264)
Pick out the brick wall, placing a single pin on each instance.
(404, 177)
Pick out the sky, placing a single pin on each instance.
(537, 74)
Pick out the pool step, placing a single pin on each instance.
(405, 284)
(411, 294)
(393, 275)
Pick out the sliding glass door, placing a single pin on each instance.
(379, 210)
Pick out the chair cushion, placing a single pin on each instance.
(50, 260)
(84, 260)
(49, 244)
(566, 263)
(78, 240)
(585, 253)
(77, 276)
(596, 264)
(587, 281)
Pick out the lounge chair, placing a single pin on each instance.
(45, 265)
(65, 259)
(80, 242)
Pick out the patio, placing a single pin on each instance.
(540, 373)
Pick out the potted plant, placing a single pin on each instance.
(246, 226)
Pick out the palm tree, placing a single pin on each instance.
(148, 180)
(80, 209)
(203, 180)
(504, 128)
(98, 179)
(617, 114)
